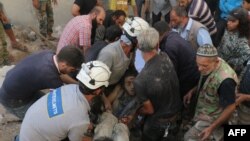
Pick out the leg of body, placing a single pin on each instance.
(42, 18)
(3, 47)
(50, 20)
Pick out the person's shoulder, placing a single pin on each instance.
(69, 86)
(110, 48)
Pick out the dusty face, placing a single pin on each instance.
(232, 25)
(183, 3)
(246, 5)
(120, 21)
(206, 65)
(175, 21)
(129, 85)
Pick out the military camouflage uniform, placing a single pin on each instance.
(3, 47)
(45, 17)
(234, 50)
(208, 108)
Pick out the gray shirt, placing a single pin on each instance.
(115, 58)
(163, 6)
(61, 113)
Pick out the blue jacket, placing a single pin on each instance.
(226, 6)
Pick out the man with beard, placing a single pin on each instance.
(78, 30)
(215, 93)
(23, 84)
(65, 111)
(189, 29)
(199, 11)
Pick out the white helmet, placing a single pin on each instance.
(94, 74)
(134, 25)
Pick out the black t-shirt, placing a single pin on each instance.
(226, 91)
(85, 5)
(158, 83)
(34, 73)
(183, 58)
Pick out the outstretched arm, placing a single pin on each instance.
(227, 112)
(242, 97)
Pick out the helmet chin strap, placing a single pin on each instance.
(132, 39)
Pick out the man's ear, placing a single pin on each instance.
(62, 64)
(93, 15)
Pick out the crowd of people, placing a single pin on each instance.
(184, 69)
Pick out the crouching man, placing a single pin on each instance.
(64, 112)
(216, 96)
(23, 84)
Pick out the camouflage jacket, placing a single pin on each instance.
(208, 108)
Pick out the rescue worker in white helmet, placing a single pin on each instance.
(132, 29)
(64, 112)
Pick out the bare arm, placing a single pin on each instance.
(147, 108)
(147, 5)
(75, 10)
(135, 10)
(112, 96)
(67, 79)
(107, 103)
(225, 115)
(188, 96)
(242, 97)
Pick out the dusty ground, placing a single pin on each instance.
(9, 124)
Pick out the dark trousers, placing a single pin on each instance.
(18, 107)
(154, 131)
(157, 18)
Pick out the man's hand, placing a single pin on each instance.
(188, 96)
(240, 97)
(107, 104)
(205, 134)
(126, 120)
